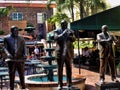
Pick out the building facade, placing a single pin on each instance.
(24, 13)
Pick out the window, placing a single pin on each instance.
(41, 17)
(17, 16)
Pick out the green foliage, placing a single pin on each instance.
(1, 32)
(5, 11)
(82, 44)
(118, 66)
(90, 7)
(57, 18)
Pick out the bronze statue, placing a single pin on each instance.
(14, 46)
(105, 42)
(64, 38)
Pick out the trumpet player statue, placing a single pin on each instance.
(105, 41)
(64, 39)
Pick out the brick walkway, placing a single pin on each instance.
(92, 77)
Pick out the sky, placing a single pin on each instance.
(114, 3)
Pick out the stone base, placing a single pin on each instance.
(66, 88)
(78, 83)
(108, 86)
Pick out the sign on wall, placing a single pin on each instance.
(41, 17)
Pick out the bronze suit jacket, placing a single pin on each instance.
(65, 43)
(9, 44)
(104, 46)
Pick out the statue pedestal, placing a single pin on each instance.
(73, 88)
(108, 86)
(66, 88)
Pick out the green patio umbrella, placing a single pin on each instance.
(29, 29)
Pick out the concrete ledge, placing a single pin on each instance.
(108, 86)
(32, 85)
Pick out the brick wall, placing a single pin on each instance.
(20, 24)
(4, 25)
(29, 15)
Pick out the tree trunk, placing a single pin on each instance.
(81, 9)
(72, 12)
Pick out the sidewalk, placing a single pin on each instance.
(91, 77)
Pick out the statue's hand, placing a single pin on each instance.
(9, 56)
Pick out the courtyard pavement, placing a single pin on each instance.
(91, 74)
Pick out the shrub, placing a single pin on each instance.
(1, 32)
(82, 44)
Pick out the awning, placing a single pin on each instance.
(110, 17)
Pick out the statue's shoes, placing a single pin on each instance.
(59, 87)
(25, 89)
(115, 80)
(69, 86)
(102, 81)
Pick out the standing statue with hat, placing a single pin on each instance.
(15, 49)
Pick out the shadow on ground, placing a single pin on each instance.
(88, 67)
(90, 87)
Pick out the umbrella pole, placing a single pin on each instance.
(79, 51)
(78, 76)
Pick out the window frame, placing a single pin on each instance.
(18, 17)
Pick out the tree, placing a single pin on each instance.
(59, 15)
(90, 7)
(4, 13)
(86, 7)
(69, 5)
(57, 18)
